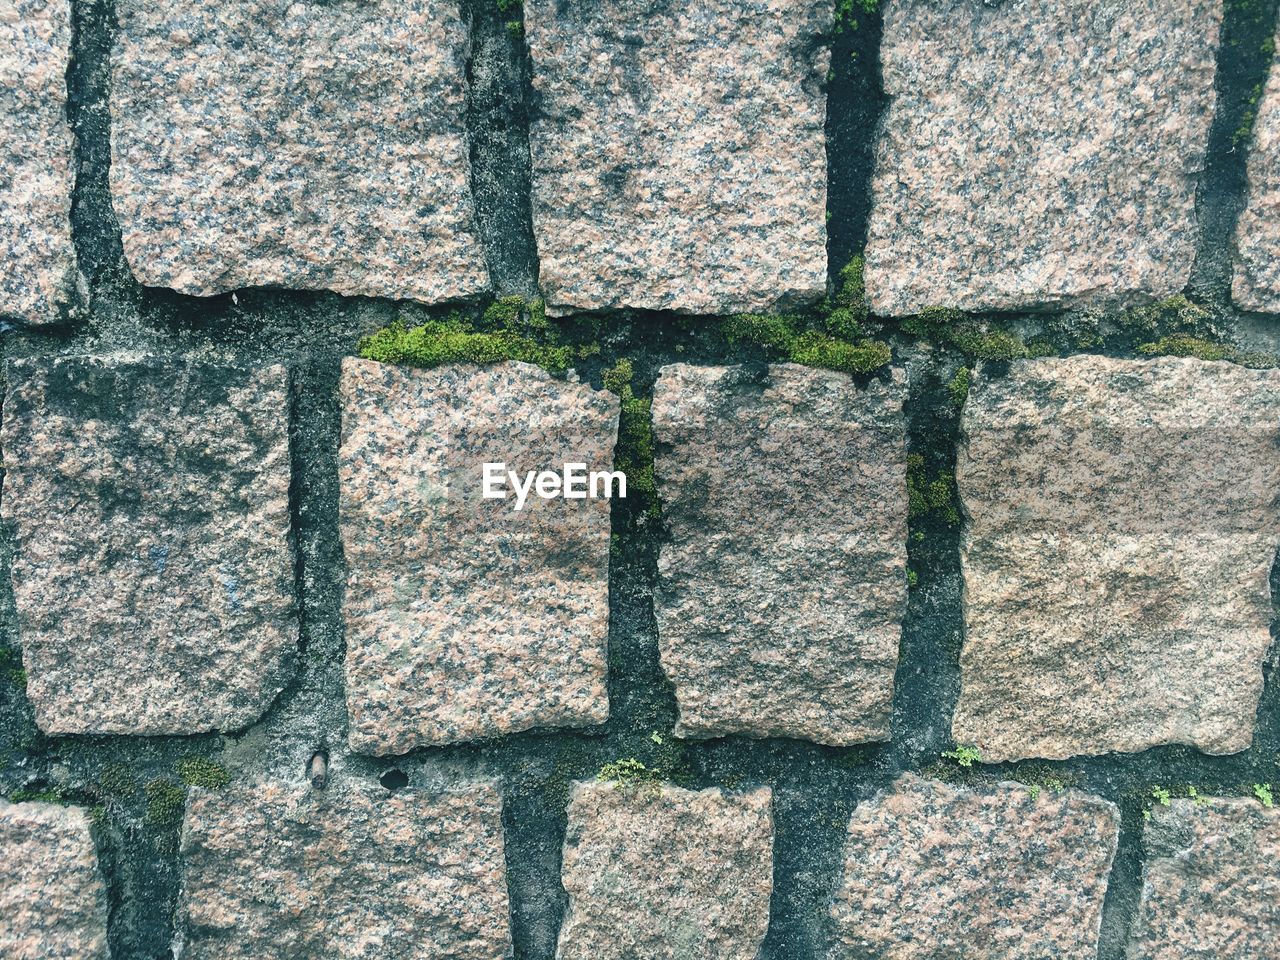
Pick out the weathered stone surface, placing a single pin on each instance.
(464, 617)
(1041, 153)
(666, 873)
(679, 155)
(277, 871)
(934, 871)
(782, 584)
(53, 905)
(302, 145)
(1256, 283)
(40, 281)
(1122, 523)
(149, 506)
(1210, 887)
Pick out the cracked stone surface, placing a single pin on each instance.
(1210, 887)
(41, 280)
(53, 903)
(152, 571)
(1044, 153)
(1256, 281)
(679, 153)
(464, 617)
(1122, 522)
(274, 871)
(300, 145)
(665, 873)
(995, 873)
(782, 583)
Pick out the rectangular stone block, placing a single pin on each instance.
(782, 583)
(1044, 153)
(467, 618)
(41, 280)
(313, 146)
(148, 504)
(679, 153)
(997, 873)
(660, 872)
(275, 871)
(1122, 522)
(1256, 281)
(53, 904)
(1210, 887)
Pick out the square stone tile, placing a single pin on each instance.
(1039, 153)
(53, 903)
(996, 873)
(466, 618)
(148, 505)
(679, 153)
(665, 873)
(1122, 518)
(41, 281)
(782, 580)
(312, 146)
(1210, 886)
(274, 871)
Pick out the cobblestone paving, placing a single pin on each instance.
(938, 344)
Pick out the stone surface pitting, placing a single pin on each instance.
(1210, 886)
(464, 618)
(664, 873)
(994, 873)
(1122, 522)
(41, 281)
(1256, 281)
(782, 583)
(1039, 153)
(679, 153)
(275, 871)
(302, 145)
(53, 904)
(148, 500)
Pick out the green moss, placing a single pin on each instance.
(930, 495)
(515, 28)
(633, 454)
(846, 11)
(455, 340)
(1173, 315)
(202, 772)
(1185, 345)
(506, 6)
(1245, 128)
(913, 579)
(817, 350)
(117, 780)
(630, 774)
(165, 803)
(1263, 792)
(964, 756)
(958, 388)
(47, 795)
(949, 326)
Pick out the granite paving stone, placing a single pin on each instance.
(1044, 153)
(1256, 281)
(1122, 522)
(312, 146)
(782, 579)
(152, 568)
(466, 618)
(679, 155)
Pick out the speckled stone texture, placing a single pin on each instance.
(148, 501)
(935, 871)
(53, 904)
(40, 281)
(465, 618)
(1210, 887)
(1042, 153)
(308, 145)
(782, 582)
(281, 872)
(679, 153)
(1122, 521)
(1256, 282)
(667, 874)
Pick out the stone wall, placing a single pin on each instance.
(938, 342)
